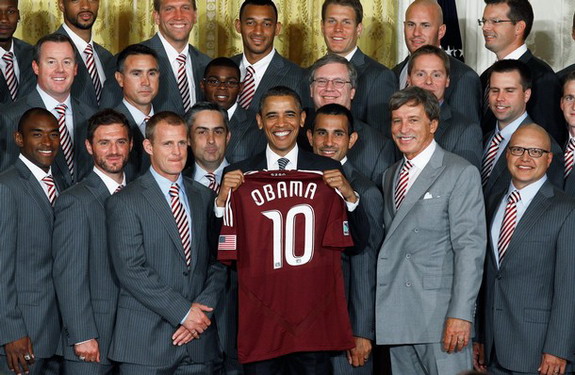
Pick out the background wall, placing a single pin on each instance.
(122, 22)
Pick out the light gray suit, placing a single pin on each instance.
(28, 305)
(430, 264)
(156, 287)
(86, 286)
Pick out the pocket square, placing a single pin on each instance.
(428, 195)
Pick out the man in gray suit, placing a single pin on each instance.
(527, 298)
(568, 108)
(95, 63)
(341, 26)
(55, 66)
(16, 76)
(509, 92)
(221, 84)
(261, 66)
(333, 135)
(28, 308)
(429, 67)
(430, 264)
(424, 25)
(86, 287)
(333, 79)
(158, 235)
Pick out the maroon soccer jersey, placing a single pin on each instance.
(286, 230)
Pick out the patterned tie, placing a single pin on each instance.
(48, 180)
(213, 182)
(144, 124)
(11, 80)
(181, 221)
(91, 66)
(249, 88)
(65, 138)
(569, 157)
(509, 223)
(401, 187)
(119, 188)
(489, 158)
(282, 162)
(183, 85)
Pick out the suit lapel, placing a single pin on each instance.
(389, 187)
(172, 93)
(444, 119)
(35, 191)
(273, 74)
(194, 201)
(238, 127)
(197, 69)
(97, 188)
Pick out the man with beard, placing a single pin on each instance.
(86, 287)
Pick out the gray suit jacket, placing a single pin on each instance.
(430, 265)
(27, 79)
(83, 88)
(375, 85)
(28, 305)
(527, 303)
(156, 287)
(457, 134)
(246, 139)
(464, 93)
(500, 177)
(139, 161)
(86, 286)
(82, 160)
(359, 268)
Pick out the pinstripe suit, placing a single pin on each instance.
(528, 303)
(86, 287)
(83, 88)
(28, 305)
(9, 118)
(457, 134)
(359, 270)
(156, 287)
(27, 79)
(139, 161)
(375, 85)
(246, 139)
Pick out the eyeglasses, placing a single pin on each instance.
(492, 22)
(216, 83)
(533, 152)
(337, 83)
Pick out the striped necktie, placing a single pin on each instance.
(401, 187)
(282, 163)
(489, 158)
(249, 89)
(508, 225)
(179, 212)
(569, 157)
(65, 138)
(183, 84)
(93, 71)
(48, 180)
(213, 183)
(11, 80)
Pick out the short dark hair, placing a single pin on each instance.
(280, 91)
(334, 109)
(568, 78)
(169, 117)
(332, 58)
(507, 66)
(429, 50)
(224, 62)
(56, 38)
(206, 106)
(158, 4)
(519, 10)
(33, 112)
(413, 96)
(105, 117)
(133, 50)
(268, 3)
(355, 4)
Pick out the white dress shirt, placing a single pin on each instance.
(139, 116)
(110, 183)
(81, 45)
(260, 68)
(172, 57)
(419, 162)
(14, 62)
(38, 174)
(50, 103)
(515, 55)
(200, 173)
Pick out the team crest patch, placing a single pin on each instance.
(345, 228)
(227, 242)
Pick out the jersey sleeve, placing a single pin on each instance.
(227, 241)
(337, 233)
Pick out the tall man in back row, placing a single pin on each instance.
(430, 264)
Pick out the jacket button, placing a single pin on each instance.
(408, 284)
(186, 273)
(407, 256)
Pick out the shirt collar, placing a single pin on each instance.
(232, 110)
(421, 160)
(166, 184)
(78, 42)
(528, 192)
(171, 51)
(38, 172)
(273, 158)
(3, 51)
(261, 65)
(138, 115)
(508, 131)
(110, 183)
(515, 55)
(50, 102)
(350, 55)
(200, 172)
(344, 160)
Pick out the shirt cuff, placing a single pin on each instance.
(185, 317)
(83, 342)
(218, 211)
(350, 206)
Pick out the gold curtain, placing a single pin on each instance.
(122, 22)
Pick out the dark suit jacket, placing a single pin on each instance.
(458, 134)
(500, 177)
(83, 88)
(359, 268)
(156, 287)
(527, 303)
(82, 160)
(280, 72)
(562, 74)
(86, 286)
(247, 139)
(375, 85)
(543, 106)
(28, 305)
(27, 79)
(139, 161)
(464, 93)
